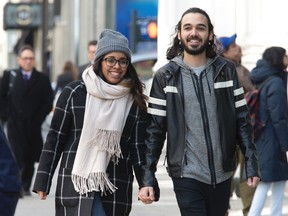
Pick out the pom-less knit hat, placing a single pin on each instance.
(112, 41)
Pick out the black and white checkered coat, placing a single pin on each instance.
(62, 141)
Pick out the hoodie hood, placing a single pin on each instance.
(206, 69)
(179, 61)
(263, 70)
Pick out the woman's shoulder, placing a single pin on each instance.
(76, 87)
(274, 85)
(76, 84)
(275, 81)
(74, 91)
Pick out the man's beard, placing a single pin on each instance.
(195, 51)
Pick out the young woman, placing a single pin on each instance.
(272, 143)
(98, 129)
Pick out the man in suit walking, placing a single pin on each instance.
(91, 48)
(29, 100)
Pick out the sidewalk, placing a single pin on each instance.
(167, 206)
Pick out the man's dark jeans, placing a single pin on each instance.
(200, 199)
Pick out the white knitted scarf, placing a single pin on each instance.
(106, 109)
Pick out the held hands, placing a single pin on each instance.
(146, 195)
(42, 195)
(253, 181)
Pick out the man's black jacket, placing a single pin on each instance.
(167, 116)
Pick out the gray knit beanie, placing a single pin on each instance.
(112, 41)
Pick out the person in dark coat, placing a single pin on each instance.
(98, 132)
(233, 52)
(272, 144)
(29, 102)
(10, 184)
(91, 49)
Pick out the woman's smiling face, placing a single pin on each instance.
(114, 67)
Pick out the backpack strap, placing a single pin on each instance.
(266, 114)
(261, 85)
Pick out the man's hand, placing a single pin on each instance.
(146, 195)
(253, 181)
(42, 195)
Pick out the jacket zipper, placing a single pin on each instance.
(206, 132)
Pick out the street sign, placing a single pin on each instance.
(22, 16)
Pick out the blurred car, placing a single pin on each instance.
(144, 63)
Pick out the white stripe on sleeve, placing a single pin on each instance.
(171, 89)
(238, 91)
(225, 84)
(156, 112)
(157, 101)
(240, 103)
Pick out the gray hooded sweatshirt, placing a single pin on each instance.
(198, 85)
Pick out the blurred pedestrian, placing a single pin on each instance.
(69, 73)
(272, 144)
(10, 184)
(91, 49)
(232, 52)
(29, 102)
(197, 100)
(98, 129)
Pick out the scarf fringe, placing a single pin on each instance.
(109, 141)
(95, 182)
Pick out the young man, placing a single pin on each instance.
(29, 101)
(197, 100)
(232, 52)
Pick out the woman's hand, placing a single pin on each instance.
(253, 181)
(146, 195)
(42, 195)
